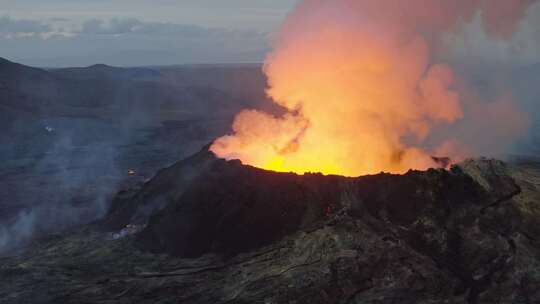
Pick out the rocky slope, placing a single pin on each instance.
(210, 231)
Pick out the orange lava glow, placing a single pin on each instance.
(360, 88)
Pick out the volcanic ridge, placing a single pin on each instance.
(207, 230)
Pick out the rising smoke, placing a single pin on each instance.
(364, 91)
(67, 185)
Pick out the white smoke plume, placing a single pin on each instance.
(363, 90)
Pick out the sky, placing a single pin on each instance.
(56, 33)
(137, 32)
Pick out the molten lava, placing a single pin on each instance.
(360, 86)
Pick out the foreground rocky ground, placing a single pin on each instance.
(210, 231)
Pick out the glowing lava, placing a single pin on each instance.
(359, 85)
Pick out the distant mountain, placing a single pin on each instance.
(19, 84)
(106, 92)
(106, 71)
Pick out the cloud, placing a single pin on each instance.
(20, 27)
(113, 27)
(58, 19)
(131, 41)
(132, 26)
(11, 28)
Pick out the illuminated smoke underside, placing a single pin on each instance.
(360, 87)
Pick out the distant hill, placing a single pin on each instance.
(106, 92)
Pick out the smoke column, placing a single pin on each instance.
(360, 86)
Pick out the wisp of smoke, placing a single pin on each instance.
(360, 87)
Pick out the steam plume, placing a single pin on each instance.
(359, 85)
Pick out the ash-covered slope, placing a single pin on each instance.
(211, 231)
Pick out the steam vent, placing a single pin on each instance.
(207, 230)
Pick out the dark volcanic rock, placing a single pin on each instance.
(205, 204)
(208, 205)
(220, 232)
